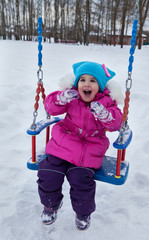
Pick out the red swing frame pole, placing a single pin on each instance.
(121, 152)
(34, 149)
(120, 158)
(123, 155)
(47, 134)
(118, 166)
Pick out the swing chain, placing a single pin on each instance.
(40, 75)
(123, 129)
(136, 10)
(39, 8)
(128, 82)
(33, 126)
(48, 116)
(131, 59)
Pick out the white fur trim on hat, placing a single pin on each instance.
(67, 82)
(115, 91)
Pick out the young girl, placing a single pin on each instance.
(78, 142)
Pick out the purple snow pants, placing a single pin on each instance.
(51, 173)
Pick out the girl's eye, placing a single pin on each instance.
(82, 80)
(93, 80)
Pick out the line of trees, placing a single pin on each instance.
(77, 20)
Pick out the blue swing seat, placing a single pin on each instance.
(108, 170)
(105, 174)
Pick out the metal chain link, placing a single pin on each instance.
(136, 10)
(33, 126)
(40, 75)
(132, 49)
(128, 82)
(39, 8)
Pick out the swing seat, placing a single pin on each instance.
(39, 157)
(107, 172)
(42, 124)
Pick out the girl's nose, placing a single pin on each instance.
(87, 83)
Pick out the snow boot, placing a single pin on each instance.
(49, 215)
(82, 222)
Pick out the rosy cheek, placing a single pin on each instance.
(79, 90)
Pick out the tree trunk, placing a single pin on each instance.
(125, 3)
(56, 13)
(87, 23)
(115, 8)
(45, 20)
(111, 22)
(30, 5)
(24, 23)
(107, 22)
(78, 25)
(3, 24)
(143, 10)
(62, 33)
(17, 25)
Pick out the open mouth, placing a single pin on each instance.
(87, 93)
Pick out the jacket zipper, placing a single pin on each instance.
(86, 116)
(83, 153)
(83, 142)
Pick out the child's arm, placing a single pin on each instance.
(57, 102)
(111, 117)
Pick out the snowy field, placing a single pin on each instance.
(122, 211)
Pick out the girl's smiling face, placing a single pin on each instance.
(88, 87)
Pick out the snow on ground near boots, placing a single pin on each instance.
(122, 211)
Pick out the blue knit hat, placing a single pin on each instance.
(98, 71)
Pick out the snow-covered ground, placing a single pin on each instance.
(122, 211)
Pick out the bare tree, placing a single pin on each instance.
(62, 7)
(71, 19)
(143, 10)
(115, 14)
(31, 17)
(107, 22)
(87, 22)
(45, 19)
(24, 19)
(123, 20)
(100, 10)
(56, 21)
(78, 23)
(17, 25)
(3, 23)
(8, 18)
(130, 15)
(49, 20)
(67, 19)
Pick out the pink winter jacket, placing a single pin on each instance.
(80, 138)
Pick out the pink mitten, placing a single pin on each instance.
(100, 112)
(67, 96)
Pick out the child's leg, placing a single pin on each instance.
(51, 175)
(82, 190)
